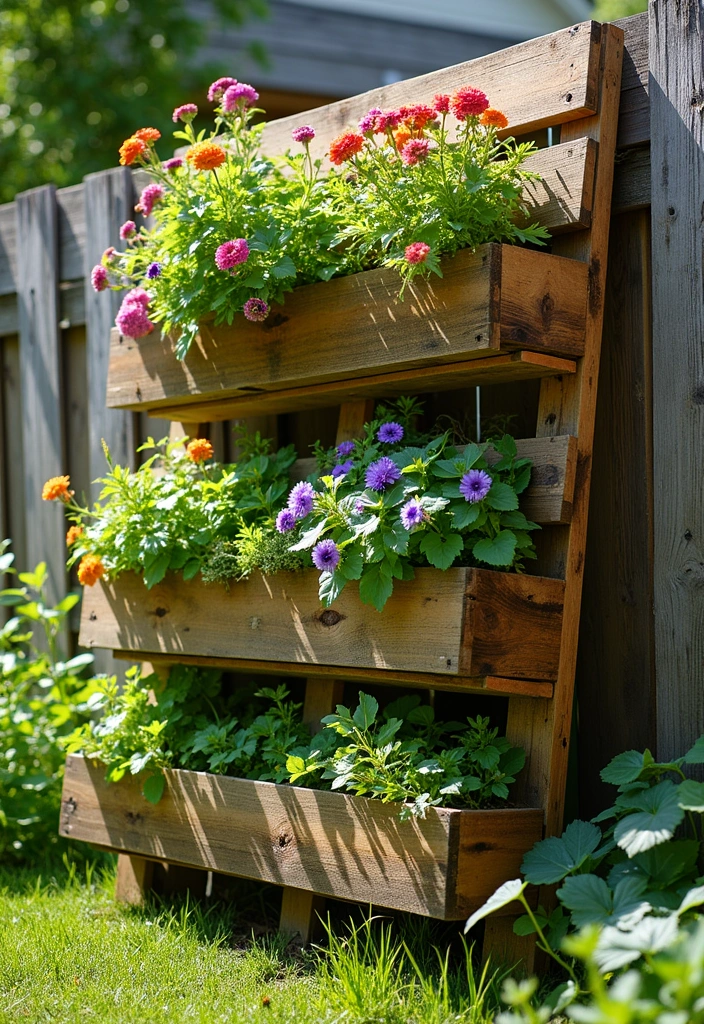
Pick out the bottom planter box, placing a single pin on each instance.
(347, 847)
(462, 622)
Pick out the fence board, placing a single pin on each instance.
(40, 377)
(13, 443)
(676, 89)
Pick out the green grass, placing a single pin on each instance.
(69, 954)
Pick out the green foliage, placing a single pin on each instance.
(610, 10)
(254, 548)
(42, 699)
(73, 74)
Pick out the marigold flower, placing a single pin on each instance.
(148, 134)
(304, 134)
(151, 195)
(256, 309)
(344, 147)
(130, 149)
(494, 118)
(218, 88)
(417, 252)
(468, 102)
(418, 116)
(57, 488)
(239, 95)
(441, 103)
(415, 151)
(229, 254)
(90, 570)
(99, 278)
(401, 137)
(186, 112)
(206, 156)
(199, 450)
(74, 535)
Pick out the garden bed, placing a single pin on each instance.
(443, 866)
(473, 622)
(497, 299)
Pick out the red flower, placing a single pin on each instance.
(387, 122)
(417, 252)
(441, 103)
(344, 147)
(468, 102)
(418, 116)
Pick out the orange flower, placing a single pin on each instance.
(57, 487)
(206, 156)
(494, 118)
(147, 134)
(90, 570)
(401, 137)
(130, 149)
(199, 450)
(74, 534)
(344, 147)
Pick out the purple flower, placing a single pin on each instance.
(381, 474)
(99, 278)
(285, 520)
(186, 112)
(153, 270)
(239, 95)
(345, 448)
(218, 88)
(390, 433)
(412, 514)
(128, 230)
(256, 309)
(475, 485)
(359, 507)
(304, 134)
(342, 468)
(229, 254)
(300, 500)
(326, 556)
(368, 122)
(173, 163)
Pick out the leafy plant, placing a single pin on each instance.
(43, 697)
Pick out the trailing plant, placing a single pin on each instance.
(43, 697)
(235, 231)
(190, 721)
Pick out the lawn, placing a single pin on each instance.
(69, 953)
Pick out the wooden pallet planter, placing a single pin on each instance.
(332, 844)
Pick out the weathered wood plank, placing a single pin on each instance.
(133, 880)
(496, 296)
(631, 180)
(562, 199)
(280, 618)
(545, 81)
(14, 466)
(676, 90)
(328, 843)
(40, 378)
(634, 106)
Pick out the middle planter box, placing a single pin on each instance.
(462, 622)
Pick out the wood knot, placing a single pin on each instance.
(547, 306)
(161, 612)
(284, 839)
(330, 617)
(133, 817)
(93, 617)
(68, 808)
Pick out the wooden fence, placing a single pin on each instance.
(641, 662)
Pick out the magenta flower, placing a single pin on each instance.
(367, 124)
(229, 254)
(468, 102)
(417, 252)
(390, 433)
(341, 468)
(304, 134)
(108, 255)
(218, 88)
(256, 309)
(381, 474)
(474, 486)
(132, 319)
(128, 230)
(186, 112)
(415, 152)
(300, 499)
(239, 95)
(326, 556)
(345, 448)
(150, 196)
(139, 296)
(99, 278)
(388, 121)
(173, 163)
(359, 507)
(285, 521)
(412, 514)
(153, 271)
(441, 103)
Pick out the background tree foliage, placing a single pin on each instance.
(609, 10)
(77, 77)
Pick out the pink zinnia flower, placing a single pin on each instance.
(415, 152)
(367, 123)
(173, 163)
(468, 102)
(186, 112)
(132, 319)
(304, 134)
(99, 278)
(218, 87)
(150, 196)
(441, 103)
(256, 309)
(417, 252)
(239, 95)
(229, 254)
(128, 230)
(107, 256)
(388, 121)
(138, 296)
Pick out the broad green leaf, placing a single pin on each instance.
(330, 586)
(497, 551)
(375, 588)
(501, 496)
(465, 514)
(626, 767)
(505, 894)
(441, 550)
(691, 795)
(310, 537)
(155, 571)
(616, 948)
(658, 816)
(693, 898)
(590, 900)
(448, 469)
(553, 859)
(696, 754)
(153, 787)
(352, 564)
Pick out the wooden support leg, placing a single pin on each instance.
(300, 914)
(504, 948)
(134, 879)
(173, 879)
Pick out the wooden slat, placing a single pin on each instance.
(677, 88)
(634, 105)
(631, 180)
(40, 379)
(134, 878)
(280, 618)
(516, 366)
(328, 843)
(548, 498)
(14, 466)
(562, 199)
(544, 81)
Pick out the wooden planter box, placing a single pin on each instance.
(444, 866)
(462, 622)
(495, 300)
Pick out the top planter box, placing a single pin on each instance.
(495, 300)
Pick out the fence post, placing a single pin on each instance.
(677, 120)
(40, 378)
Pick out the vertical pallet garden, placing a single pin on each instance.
(499, 314)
